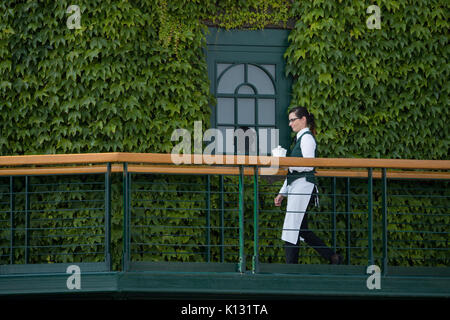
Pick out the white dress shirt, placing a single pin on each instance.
(308, 147)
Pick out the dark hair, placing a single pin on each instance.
(301, 112)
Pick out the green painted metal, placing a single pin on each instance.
(341, 282)
(108, 260)
(255, 262)
(184, 221)
(257, 48)
(50, 222)
(241, 221)
(216, 214)
(348, 219)
(418, 229)
(27, 220)
(208, 218)
(222, 218)
(384, 211)
(126, 217)
(370, 216)
(333, 217)
(11, 219)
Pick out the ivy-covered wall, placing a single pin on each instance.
(131, 74)
(377, 93)
(110, 86)
(136, 70)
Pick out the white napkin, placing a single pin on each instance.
(279, 152)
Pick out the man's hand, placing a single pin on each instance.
(278, 200)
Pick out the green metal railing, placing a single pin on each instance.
(210, 219)
(365, 221)
(179, 218)
(47, 221)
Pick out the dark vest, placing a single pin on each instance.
(297, 152)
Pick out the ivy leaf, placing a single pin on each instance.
(325, 78)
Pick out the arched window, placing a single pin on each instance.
(246, 70)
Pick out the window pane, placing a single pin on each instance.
(221, 67)
(266, 111)
(268, 140)
(270, 68)
(260, 79)
(225, 110)
(228, 144)
(231, 79)
(246, 90)
(246, 111)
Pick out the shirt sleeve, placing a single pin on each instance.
(283, 190)
(308, 146)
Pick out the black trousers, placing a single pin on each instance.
(311, 239)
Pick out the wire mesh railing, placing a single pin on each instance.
(220, 218)
(51, 220)
(418, 224)
(182, 218)
(387, 222)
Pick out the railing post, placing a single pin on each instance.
(108, 215)
(241, 266)
(27, 221)
(385, 221)
(348, 209)
(333, 206)
(222, 220)
(208, 218)
(126, 214)
(370, 215)
(11, 219)
(255, 261)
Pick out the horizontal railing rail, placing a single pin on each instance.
(172, 221)
(158, 158)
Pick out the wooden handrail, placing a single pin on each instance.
(159, 158)
(216, 170)
(59, 159)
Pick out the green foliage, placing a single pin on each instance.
(170, 215)
(136, 71)
(377, 93)
(255, 14)
(108, 86)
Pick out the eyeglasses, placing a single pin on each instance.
(293, 119)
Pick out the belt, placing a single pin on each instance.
(309, 175)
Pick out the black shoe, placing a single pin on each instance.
(336, 259)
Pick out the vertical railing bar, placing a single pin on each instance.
(11, 219)
(222, 219)
(348, 209)
(126, 226)
(333, 206)
(208, 218)
(108, 216)
(255, 263)
(129, 210)
(27, 220)
(241, 220)
(384, 217)
(370, 215)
